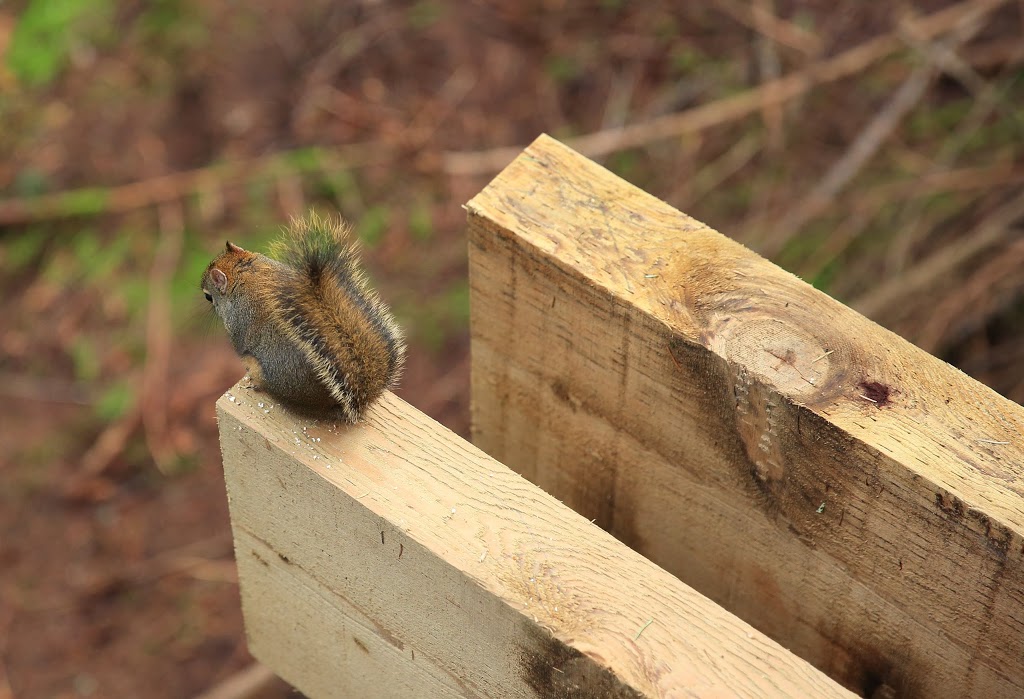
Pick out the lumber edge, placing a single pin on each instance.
(395, 559)
(651, 278)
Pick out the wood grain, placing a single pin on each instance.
(394, 559)
(853, 497)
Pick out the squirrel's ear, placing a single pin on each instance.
(220, 280)
(231, 247)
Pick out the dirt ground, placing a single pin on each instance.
(138, 136)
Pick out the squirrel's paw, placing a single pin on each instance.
(253, 372)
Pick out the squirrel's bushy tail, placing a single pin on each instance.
(325, 255)
(318, 246)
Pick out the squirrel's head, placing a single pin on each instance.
(223, 277)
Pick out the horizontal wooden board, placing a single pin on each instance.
(853, 497)
(394, 559)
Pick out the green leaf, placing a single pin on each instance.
(85, 202)
(86, 359)
(373, 224)
(421, 222)
(424, 13)
(456, 301)
(31, 182)
(115, 401)
(44, 36)
(23, 249)
(562, 69)
(304, 159)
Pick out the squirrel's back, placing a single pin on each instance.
(307, 324)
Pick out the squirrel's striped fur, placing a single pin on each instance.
(309, 328)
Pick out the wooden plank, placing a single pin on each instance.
(394, 559)
(853, 497)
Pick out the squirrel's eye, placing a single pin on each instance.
(208, 297)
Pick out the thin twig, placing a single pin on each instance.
(110, 443)
(991, 286)
(213, 549)
(6, 620)
(425, 125)
(175, 186)
(158, 334)
(45, 390)
(912, 214)
(722, 168)
(945, 57)
(642, 629)
(864, 147)
(764, 21)
(1001, 52)
(865, 208)
(620, 96)
(771, 69)
(182, 560)
(927, 184)
(990, 231)
(729, 109)
(853, 160)
(345, 49)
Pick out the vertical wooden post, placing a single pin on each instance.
(855, 498)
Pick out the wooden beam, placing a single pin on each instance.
(853, 497)
(394, 559)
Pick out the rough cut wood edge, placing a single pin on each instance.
(847, 493)
(394, 559)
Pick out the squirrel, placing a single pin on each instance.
(309, 329)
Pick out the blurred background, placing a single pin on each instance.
(874, 149)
